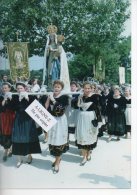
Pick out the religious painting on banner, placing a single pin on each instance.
(18, 60)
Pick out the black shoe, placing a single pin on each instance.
(19, 163)
(109, 139)
(56, 170)
(83, 162)
(53, 164)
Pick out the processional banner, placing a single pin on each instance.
(121, 75)
(18, 60)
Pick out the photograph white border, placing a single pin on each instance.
(133, 189)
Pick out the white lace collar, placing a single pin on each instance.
(116, 97)
(128, 98)
(88, 95)
(60, 94)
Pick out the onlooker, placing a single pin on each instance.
(3, 80)
(35, 86)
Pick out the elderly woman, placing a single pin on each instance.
(116, 118)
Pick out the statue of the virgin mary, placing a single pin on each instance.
(56, 66)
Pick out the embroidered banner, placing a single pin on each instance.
(121, 75)
(18, 60)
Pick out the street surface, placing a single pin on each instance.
(109, 168)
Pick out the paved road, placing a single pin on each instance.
(109, 168)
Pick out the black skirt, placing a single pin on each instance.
(58, 150)
(5, 141)
(26, 148)
(86, 147)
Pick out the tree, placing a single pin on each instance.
(80, 67)
(83, 24)
(91, 27)
(111, 58)
(26, 17)
(124, 49)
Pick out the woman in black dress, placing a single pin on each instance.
(7, 116)
(87, 125)
(116, 118)
(58, 134)
(24, 135)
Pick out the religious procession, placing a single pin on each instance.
(82, 91)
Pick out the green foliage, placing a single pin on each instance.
(36, 74)
(124, 49)
(4, 72)
(25, 17)
(92, 28)
(112, 67)
(80, 67)
(128, 75)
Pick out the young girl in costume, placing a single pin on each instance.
(57, 136)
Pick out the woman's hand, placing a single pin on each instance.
(8, 95)
(3, 102)
(23, 95)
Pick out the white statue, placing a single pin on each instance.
(56, 66)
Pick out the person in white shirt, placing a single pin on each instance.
(35, 86)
